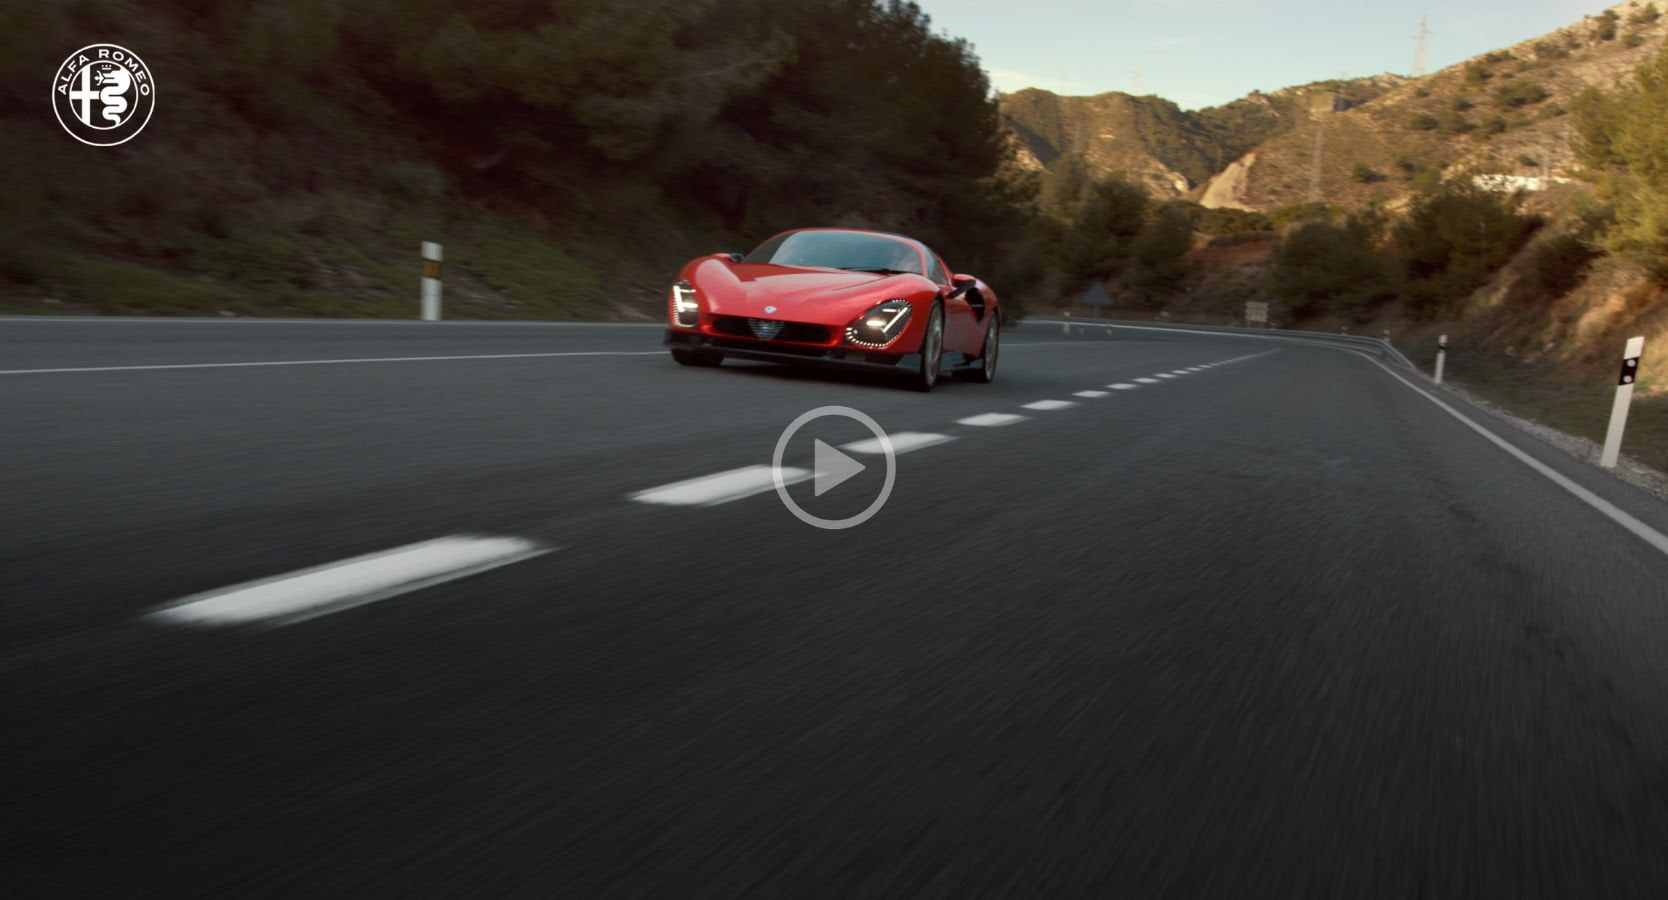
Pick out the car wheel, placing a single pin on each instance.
(986, 372)
(932, 351)
(697, 357)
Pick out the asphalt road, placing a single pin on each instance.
(1280, 626)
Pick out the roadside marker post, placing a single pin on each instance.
(1441, 356)
(430, 296)
(1624, 397)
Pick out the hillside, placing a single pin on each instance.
(1168, 150)
(1505, 112)
(569, 157)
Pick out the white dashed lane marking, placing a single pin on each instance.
(1147, 380)
(321, 590)
(711, 490)
(1122, 386)
(902, 442)
(1045, 405)
(1164, 375)
(1090, 394)
(990, 420)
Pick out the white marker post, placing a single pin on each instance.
(1441, 356)
(1065, 327)
(1624, 397)
(430, 297)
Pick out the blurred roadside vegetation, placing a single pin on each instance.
(569, 154)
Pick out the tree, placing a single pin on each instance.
(1157, 253)
(1623, 138)
(1097, 240)
(1323, 268)
(1454, 236)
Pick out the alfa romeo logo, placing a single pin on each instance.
(103, 95)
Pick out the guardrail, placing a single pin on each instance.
(1376, 345)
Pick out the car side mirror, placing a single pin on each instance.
(734, 256)
(963, 281)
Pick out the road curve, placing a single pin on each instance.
(1154, 614)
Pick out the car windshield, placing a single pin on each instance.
(839, 250)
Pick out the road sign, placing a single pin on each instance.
(1096, 295)
(1256, 313)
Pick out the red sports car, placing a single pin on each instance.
(836, 296)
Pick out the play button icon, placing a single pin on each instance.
(832, 467)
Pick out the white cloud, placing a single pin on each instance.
(1007, 81)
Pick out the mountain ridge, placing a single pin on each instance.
(1502, 112)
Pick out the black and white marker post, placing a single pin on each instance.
(1624, 397)
(1441, 356)
(430, 296)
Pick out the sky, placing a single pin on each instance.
(1207, 52)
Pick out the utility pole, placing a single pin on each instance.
(1320, 142)
(1136, 90)
(1419, 54)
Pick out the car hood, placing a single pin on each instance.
(821, 296)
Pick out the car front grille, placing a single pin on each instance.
(770, 329)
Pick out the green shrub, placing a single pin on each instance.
(1645, 15)
(1365, 174)
(1477, 73)
(1461, 104)
(1519, 94)
(1528, 161)
(1562, 261)
(1550, 50)
(1301, 212)
(1421, 92)
(1604, 25)
(1633, 39)
(1424, 122)
(1454, 123)
(1227, 222)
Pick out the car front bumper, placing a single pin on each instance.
(800, 354)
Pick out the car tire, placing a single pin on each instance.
(932, 351)
(701, 358)
(990, 355)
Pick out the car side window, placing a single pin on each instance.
(935, 271)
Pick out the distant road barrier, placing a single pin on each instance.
(1378, 346)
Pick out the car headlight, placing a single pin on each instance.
(881, 325)
(685, 311)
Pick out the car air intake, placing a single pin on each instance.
(799, 332)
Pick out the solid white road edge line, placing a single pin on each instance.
(711, 490)
(1644, 532)
(1049, 404)
(990, 420)
(902, 442)
(314, 592)
(329, 362)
